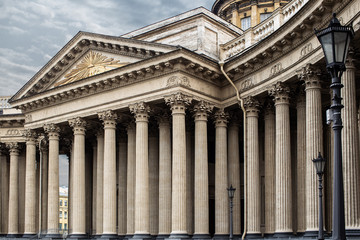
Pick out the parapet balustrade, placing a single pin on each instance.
(4, 102)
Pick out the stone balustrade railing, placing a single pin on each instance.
(262, 30)
(4, 102)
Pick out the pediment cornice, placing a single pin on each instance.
(179, 60)
(77, 46)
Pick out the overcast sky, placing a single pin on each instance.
(33, 31)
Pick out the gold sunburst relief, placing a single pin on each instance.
(93, 63)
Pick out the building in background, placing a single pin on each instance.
(63, 210)
(155, 134)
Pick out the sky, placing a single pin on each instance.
(33, 31)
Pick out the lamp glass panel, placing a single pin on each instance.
(327, 45)
(340, 39)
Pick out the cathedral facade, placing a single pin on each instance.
(159, 122)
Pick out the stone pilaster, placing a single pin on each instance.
(350, 150)
(270, 192)
(301, 163)
(314, 145)
(109, 193)
(13, 219)
(30, 188)
(283, 184)
(130, 193)
(253, 166)
(99, 182)
(154, 180)
(122, 154)
(53, 180)
(234, 171)
(178, 103)
(4, 190)
(78, 194)
(201, 111)
(164, 175)
(221, 175)
(142, 221)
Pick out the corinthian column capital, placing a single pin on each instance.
(178, 102)
(141, 111)
(202, 109)
(52, 130)
(311, 76)
(30, 135)
(221, 118)
(78, 125)
(251, 105)
(280, 92)
(108, 117)
(14, 147)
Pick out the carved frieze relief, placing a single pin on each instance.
(275, 69)
(246, 84)
(306, 50)
(178, 81)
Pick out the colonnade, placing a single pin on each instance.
(152, 181)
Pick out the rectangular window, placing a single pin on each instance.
(65, 226)
(60, 202)
(60, 214)
(60, 226)
(65, 203)
(65, 215)
(245, 23)
(264, 16)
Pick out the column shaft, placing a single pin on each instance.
(30, 188)
(109, 184)
(13, 225)
(164, 177)
(221, 175)
(269, 170)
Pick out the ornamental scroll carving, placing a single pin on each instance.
(277, 68)
(246, 84)
(178, 81)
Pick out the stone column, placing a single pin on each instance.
(78, 199)
(283, 212)
(221, 176)
(94, 187)
(314, 146)
(234, 171)
(44, 148)
(100, 182)
(109, 192)
(53, 181)
(164, 176)
(253, 167)
(4, 190)
(154, 181)
(301, 162)
(13, 220)
(178, 103)
(201, 111)
(130, 193)
(350, 150)
(270, 191)
(142, 221)
(122, 153)
(30, 188)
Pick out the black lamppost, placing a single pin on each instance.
(320, 166)
(231, 192)
(335, 40)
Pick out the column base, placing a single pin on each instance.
(310, 234)
(201, 236)
(352, 232)
(141, 236)
(77, 236)
(283, 234)
(109, 236)
(29, 235)
(53, 235)
(178, 236)
(253, 236)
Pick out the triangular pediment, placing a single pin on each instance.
(87, 55)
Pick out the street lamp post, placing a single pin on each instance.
(231, 192)
(335, 40)
(320, 166)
